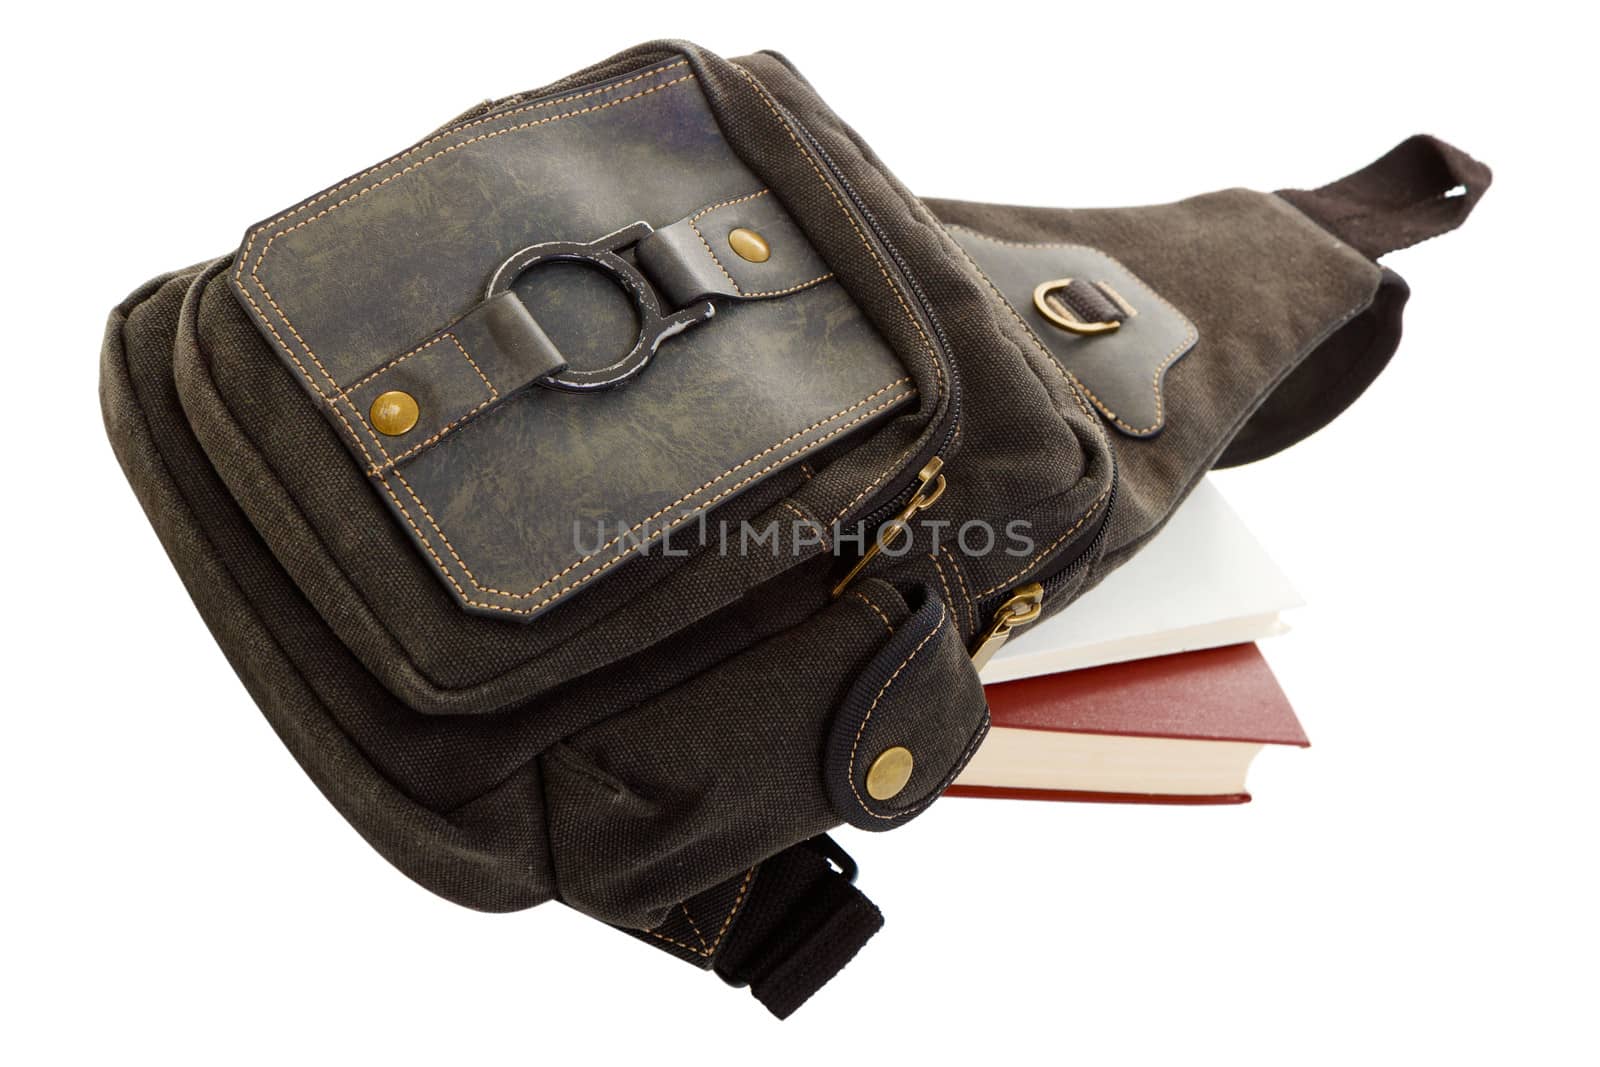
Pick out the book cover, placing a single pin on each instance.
(1180, 728)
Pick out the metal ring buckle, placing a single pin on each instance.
(1059, 314)
(601, 255)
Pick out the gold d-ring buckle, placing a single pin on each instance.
(1058, 313)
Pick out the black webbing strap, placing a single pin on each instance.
(1419, 189)
(784, 928)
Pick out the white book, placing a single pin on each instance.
(1202, 582)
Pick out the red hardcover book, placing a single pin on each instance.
(1179, 729)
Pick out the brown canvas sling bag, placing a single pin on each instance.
(607, 496)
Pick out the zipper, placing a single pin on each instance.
(912, 496)
(1025, 603)
(1020, 607)
(930, 487)
(925, 490)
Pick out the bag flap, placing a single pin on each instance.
(413, 303)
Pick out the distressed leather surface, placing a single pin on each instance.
(1122, 371)
(520, 496)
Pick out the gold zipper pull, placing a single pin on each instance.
(928, 493)
(1023, 606)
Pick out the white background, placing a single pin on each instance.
(1418, 885)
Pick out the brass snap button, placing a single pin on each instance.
(889, 773)
(750, 245)
(394, 413)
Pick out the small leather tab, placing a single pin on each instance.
(1122, 370)
(696, 257)
(483, 357)
(518, 341)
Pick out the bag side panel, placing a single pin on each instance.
(489, 854)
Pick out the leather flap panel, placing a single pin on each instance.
(535, 418)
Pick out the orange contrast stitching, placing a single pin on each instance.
(703, 952)
(966, 594)
(443, 432)
(870, 486)
(250, 242)
(698, 215)
(451, 132)
(393, 363)
(803, 517)
(698, 936)
(494, 394)
(949, 598)
(879, 612)
(1051, 547)
(447, 336)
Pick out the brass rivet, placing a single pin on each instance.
(889, 773)
(750, 245)
(394, 412)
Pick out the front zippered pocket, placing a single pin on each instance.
(899, 502)
(939, 437)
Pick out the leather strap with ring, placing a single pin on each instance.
(601, 255)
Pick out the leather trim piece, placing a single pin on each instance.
(449, 385)
(692, 258)
(1121, 372)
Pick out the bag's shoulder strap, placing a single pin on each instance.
(1420, 188)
